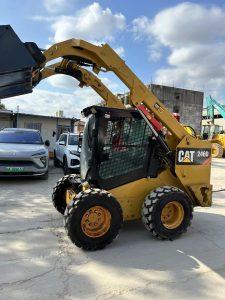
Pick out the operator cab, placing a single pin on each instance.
(121, 150)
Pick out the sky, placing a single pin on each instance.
(167, 42)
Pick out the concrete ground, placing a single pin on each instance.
(37, 260)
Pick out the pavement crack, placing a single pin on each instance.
(22, 230)
(205, 236)
(29, 229)
(18, 282)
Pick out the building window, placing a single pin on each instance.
(176, 109)
(178, 96)
(61, 129)
(36, 126)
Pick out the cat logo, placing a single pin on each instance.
(193, 156)
(186, 156)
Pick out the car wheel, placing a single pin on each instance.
(56, 161)
(65, 166)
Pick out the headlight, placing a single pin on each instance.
(73, 152)
(44, 160)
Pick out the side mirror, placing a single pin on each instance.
(62, 143)
(47, 143)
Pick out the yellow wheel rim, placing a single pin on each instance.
(96, 221)
(215, 151)
(172, 215)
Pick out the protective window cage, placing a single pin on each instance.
(125, 146)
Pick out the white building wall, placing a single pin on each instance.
(219, 121)
(48, 126)
(5, 120)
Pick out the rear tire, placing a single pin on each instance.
(93, 219)
(167, 212)
(217, 150)
(59, 191)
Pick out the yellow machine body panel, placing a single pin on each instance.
(131, 195)
(193, 167)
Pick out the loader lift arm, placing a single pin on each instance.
(85, 78)
(18, 60)
(104, 58)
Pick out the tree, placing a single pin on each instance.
(2, 106)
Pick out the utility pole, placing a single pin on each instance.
(17, 116)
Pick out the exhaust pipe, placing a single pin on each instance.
(18, 61)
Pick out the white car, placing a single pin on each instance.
(67, 152)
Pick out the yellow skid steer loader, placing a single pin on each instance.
(129, 169)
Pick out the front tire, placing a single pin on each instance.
(59, 191)
(93, 219)
(167, 212)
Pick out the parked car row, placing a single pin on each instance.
(23, 153)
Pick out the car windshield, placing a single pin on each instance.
(20, 137)
(73, 140)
